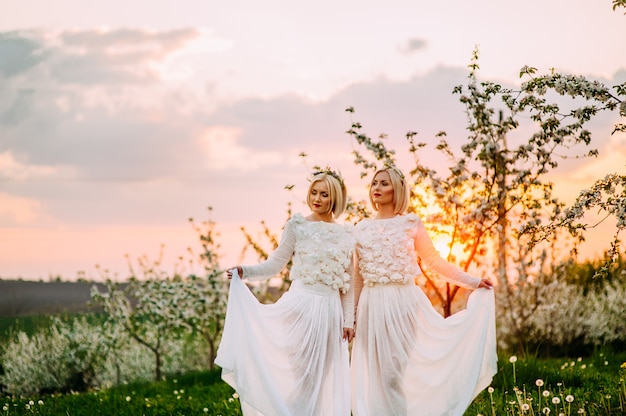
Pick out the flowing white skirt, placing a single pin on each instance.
(408, 360)
(286, 358)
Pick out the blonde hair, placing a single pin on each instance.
(336, 190)
(400, 189)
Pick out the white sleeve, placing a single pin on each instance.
(276, 261)
(347, 302)
(431, 258)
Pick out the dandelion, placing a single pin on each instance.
(5, 407)
(545, 393)
(27, 406)
(490, 390)
(40, 402)
(569, 398)
(546, 410)
(30, 402)
(230, 400)
(235, 396)
(205, 410)
(127, 398)
(539, 382)
(513, 360)
(556, 400)
(525, 407)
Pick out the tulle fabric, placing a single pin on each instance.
(286, 358)
(408, 360)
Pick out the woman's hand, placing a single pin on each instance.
(485, 284)
(348, 334)
(229, 272)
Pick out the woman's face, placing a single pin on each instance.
(381, 190)
(319, 198)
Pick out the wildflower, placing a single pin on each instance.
(539, 382)
(525, 407)
(205, 410)
(623, 366)
(556, 400)
(514, 359)
(546, 411)
(127, 398)
(569, 398)
(490, 389)
(5, 407)
(545, 393)
(230, 400)
(27, 406)
(30, 402)
(40, 402)
(235, 396)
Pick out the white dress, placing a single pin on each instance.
(288, 358)
(407, 359)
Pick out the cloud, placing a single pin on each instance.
(413, 45)
(18, 53)
(223, 152)
(12, 169)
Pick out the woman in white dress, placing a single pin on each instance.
(407, 359)
(291, 358)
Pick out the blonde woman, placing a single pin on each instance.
(290, 358)
(407, 359)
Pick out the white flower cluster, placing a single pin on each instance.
(554, 312)
(67, 353)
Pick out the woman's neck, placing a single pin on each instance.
(385, 211)
(320, 217)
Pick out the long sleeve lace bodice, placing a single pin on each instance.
(321, 253)
(387, 252)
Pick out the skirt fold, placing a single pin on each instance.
(286, 358)
(408, 360)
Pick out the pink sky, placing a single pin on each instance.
(120, 120)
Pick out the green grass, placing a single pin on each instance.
(190, 394)
(529, 386)
(596, 385)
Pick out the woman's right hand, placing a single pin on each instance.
(229, 272)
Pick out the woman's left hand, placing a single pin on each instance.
(348, 334)
(485, 284)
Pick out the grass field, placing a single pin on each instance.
(589, 386)
(592, 385)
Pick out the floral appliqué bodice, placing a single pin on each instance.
(388, 250)
(321, 252)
